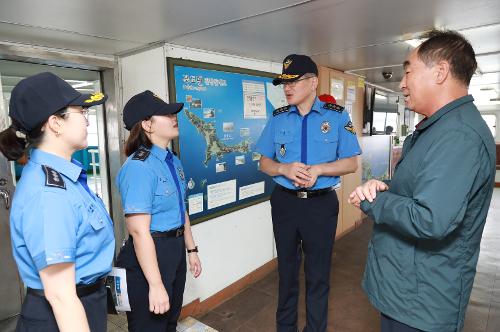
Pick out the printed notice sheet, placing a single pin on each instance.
(254, 100)
(195, 203)
(253, 189)
(221, 193)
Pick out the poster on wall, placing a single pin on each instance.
(351, 92)
(225, 111)
(337, 88)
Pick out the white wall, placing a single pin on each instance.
(230, 246)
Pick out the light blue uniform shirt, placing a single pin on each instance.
(146, 186)
(55, 220)
(324, 135)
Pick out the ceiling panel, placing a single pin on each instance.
(485, 39)
(490, 63)
(492, 78)
(141, 22)
(321, 27)
(62, 40)
(364, 36)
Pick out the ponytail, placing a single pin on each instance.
(12, 146)
(15, 142)
(136, 139)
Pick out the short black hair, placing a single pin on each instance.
(450, 46)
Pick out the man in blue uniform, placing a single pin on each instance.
(306, 146)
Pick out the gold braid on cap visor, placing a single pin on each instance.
(287, 77)
(95, 97)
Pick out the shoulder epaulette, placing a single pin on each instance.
(350, 128)
(280, 110)
(141, 154)
(53, 178)
(333, 107)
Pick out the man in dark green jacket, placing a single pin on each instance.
(429, 219)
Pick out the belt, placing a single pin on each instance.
(178, 232)
(81, 290)
(308, 193)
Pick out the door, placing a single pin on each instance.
(93, 159)
(10, 284)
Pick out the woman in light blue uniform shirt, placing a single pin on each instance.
(62, 236)
(152, 185)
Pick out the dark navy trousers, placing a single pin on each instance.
(37, 315)
(305, 226)
(387, 324)
(171, 256)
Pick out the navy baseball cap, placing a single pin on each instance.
(37, 97)
(146, 104)
(294, 66)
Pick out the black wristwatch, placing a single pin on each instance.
(192, 250)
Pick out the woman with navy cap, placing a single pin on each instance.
(152, 185)
(62, 236)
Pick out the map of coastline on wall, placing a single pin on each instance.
(225, 111)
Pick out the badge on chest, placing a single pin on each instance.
(282, 150)
(325, 127)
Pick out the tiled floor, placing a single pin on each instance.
(349, 310)
(253, 309)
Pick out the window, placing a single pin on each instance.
(491, 121)
(382, 120)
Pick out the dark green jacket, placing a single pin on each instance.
(423, 252)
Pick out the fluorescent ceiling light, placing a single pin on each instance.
(377, 96)
(414, 42)
(82, 84)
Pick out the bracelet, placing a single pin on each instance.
(192, 250)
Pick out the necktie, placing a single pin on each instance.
(82, 178)
(170, 163)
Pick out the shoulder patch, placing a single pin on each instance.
(141, 154)
(53, 178)
(349, 127)
(280, 110)
(333, 107)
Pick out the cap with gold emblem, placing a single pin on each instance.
(146, 104)
(294, 66)
(37, 97)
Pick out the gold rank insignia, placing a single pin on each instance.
(282, 150)
(287, 63)
(95, 97)
(350, 128)
(325, 127)
(155, 95)
(287, 76)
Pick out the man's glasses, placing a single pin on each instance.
(294, 83)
